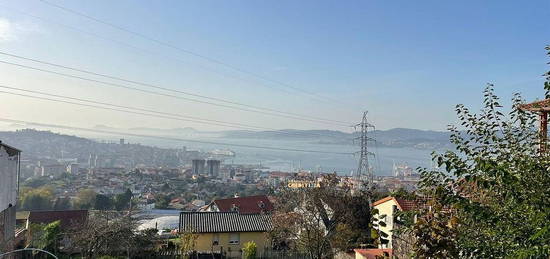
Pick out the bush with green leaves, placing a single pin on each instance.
(489, 198)
(249, 250)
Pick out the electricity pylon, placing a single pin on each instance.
(364, 171)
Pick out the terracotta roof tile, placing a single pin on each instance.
(403, 205)
(406, 205)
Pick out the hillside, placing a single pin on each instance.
(45, 145)
(398, 137)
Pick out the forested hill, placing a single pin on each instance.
(398, 137)
(41, 144)
(46, 144)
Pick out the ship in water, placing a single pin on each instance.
(222, 154)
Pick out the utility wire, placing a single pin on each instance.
(163, 114)
(168, 138)
(107, 108)
(173, 57)
(152, 53)
(190, 118)
(160, 87)
(164, 94)
(189, 52)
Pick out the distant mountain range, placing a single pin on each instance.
(153, 131)
(398, 137)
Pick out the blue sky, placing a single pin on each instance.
(406, 62)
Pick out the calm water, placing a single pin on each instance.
(289, 161)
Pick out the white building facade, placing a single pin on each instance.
(9, 187)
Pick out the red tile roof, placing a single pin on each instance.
(389, 198)
(402, 204)
(372, 253)
(68, 218)
(406, 204)
(246, 205)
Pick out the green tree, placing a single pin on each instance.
(322, 220)
(490, 196)
(62, 203)
(249, 250)
(35, 182)
(401, 193)
(37, 199)
(107, 234)
(85, 199)
(122, 200)
(162, 201)
(51, 236)
(103, 202)
(188, 241)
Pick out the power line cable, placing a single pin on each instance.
(160, 87)
(164, 114)
(164, 94)
(189, 52)
(129, 45)
(107, 108)
(169, 138)
(136, 48)
(191, 118)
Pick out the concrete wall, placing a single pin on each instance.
(8, 179)
(7, 229)
(8, 198)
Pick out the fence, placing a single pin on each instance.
(283, 254)
(266, 254)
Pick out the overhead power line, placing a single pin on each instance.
(170, 95)
(164, 115)
(111, 109)
(130, 46)
(165, 88)
(106, 108)
(192, 53)
(38, 124)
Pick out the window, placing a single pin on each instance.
(234, 238)
(216, 239)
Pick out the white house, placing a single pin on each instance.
(387, 208)
(9, 186)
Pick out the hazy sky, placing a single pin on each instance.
(407, 62)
